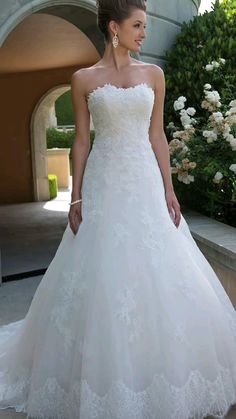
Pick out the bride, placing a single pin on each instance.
(129, 321)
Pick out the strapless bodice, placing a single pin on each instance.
(122, 155)
(121, 115)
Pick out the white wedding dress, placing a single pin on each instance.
(129, 321)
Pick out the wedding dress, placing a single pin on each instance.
(129, 321)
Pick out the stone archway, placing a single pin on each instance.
(76, 19)
(38, 126)
(86, 22)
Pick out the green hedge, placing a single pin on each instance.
(64, 109)
(62, 139)
(53, 187)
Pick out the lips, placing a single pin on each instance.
(139, 42)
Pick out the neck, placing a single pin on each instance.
(118, 58)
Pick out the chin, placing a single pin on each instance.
(135, 49)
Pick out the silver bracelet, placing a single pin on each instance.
(75, 202)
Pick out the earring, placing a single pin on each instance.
(115, 41)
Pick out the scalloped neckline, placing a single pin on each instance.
(117, 88)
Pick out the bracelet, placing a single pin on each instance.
(75, 202)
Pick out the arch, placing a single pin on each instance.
(38, 126)
(53, 7)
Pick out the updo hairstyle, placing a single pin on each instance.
(117, 10)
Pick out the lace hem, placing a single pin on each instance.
(196, 399)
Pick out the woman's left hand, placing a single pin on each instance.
(173, 206)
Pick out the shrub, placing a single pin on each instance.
(64, 109)
(204, 39)
(53, 188)
(200, 72)
(61, 139)
(203, 153)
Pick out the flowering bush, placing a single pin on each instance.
(203, 152)
(202, 41)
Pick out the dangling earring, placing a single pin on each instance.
(115, 41)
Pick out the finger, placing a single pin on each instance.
(75, 224)
(72, 224)
(171, 212)
(169, 206)
(72, 227)
(177, 217)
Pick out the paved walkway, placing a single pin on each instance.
(30, 233)
(9, 414)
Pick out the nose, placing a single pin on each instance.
(143, 33)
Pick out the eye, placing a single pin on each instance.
(138, 25)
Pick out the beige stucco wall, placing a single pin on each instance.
(59, 165)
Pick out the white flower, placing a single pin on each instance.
(226, 130)
(212, 96)
(176, 134)
(185, 179)
(185, 120)
(233, 103)
(233, 168)
(229, 137)
(215, 64)
(218, 117)
(190, 178)
(222, 60)
(206, 133)
(218, 175)
(171, 125)
(210, 136)
(182, 99)
(187, 126)
(178, 105)
(233, 144)
(207, 86)
(209, 67)
(232, 119)
(233, 109)
(191, 111)
(217, 178)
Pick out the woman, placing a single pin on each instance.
(129, 321)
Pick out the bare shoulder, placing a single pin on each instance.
(157, 76)
(156, 71)
(83, 78)
(77, 79)
(80, 76)
(150, 66)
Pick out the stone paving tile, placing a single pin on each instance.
(9, 414)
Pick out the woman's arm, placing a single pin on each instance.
(160, 145)
(81, 145)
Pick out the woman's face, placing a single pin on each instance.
(131, 31)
